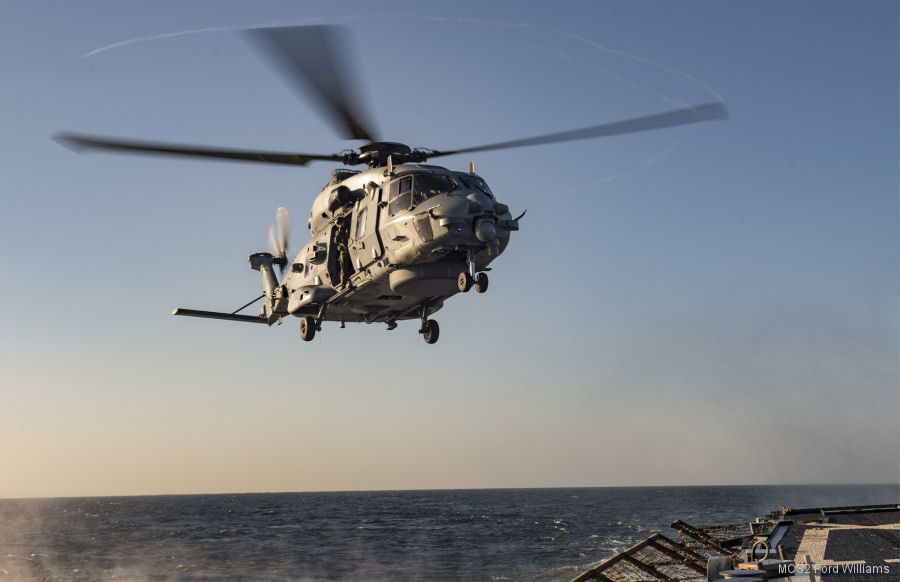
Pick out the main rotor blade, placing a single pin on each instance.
(78, 143)
(706, 112)
(311, 59)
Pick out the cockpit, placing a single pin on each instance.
(414, 188)
(338, 175)
(474, 182)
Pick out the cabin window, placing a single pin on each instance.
(360, 224)
(430, 185)
(401, 195)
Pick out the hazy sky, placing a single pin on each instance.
(708, 304)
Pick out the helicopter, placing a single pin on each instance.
(389, 243)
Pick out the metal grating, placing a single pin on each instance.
(719, 539)
(656, 558)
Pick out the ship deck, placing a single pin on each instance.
(833, 544)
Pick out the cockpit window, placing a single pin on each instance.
(427, 186)
(414, 189)
(401, 192)
(476, 183)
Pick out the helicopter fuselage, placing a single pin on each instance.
(390, 243)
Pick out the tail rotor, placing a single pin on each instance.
(279, 236)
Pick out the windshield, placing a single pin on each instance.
(427, 186)
(476, 183)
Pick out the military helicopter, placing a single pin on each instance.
(389, 243)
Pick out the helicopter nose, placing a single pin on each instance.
(485, 229)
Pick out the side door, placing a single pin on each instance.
(365, 246)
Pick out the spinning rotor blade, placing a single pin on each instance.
(283, 220)
(273, 243)
(310, 58)
(77, 143)
(278, 243)
(706, 112)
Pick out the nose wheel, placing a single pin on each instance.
(469, 278)
(465, 281)
(481, 282)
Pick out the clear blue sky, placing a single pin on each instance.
(708, 304)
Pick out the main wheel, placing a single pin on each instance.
(481, 282)
(432, 331)
(464, 281)
(307, 328)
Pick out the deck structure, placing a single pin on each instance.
(831, 544)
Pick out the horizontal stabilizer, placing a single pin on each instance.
(217, 315)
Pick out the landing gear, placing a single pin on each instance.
(431, 331)
(464, 281)
(481, 282)
(307, 328)
(468, 278)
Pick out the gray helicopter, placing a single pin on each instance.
(390, 243)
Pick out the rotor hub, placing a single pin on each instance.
(375, 154)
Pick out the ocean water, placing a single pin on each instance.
(514, 534)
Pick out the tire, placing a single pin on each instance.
(464, 281)
(307, 328)
(432, 331)
(481, 282)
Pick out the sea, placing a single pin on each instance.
(491, 534)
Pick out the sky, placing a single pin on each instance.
(708, 304)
